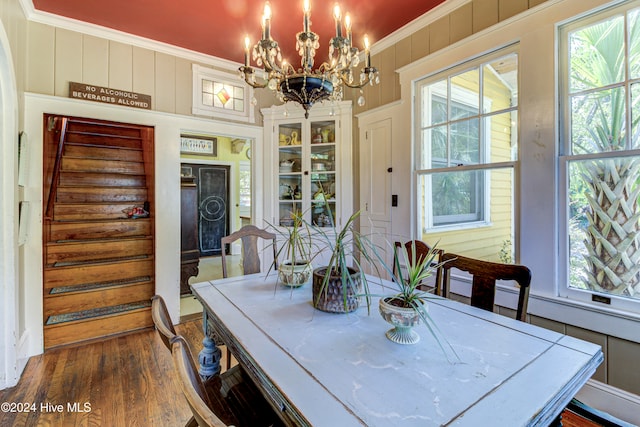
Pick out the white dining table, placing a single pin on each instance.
(339, 370)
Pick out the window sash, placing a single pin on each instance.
(427, 162)
(569, 154)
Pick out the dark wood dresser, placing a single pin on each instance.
(189, 247)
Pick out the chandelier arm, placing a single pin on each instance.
(271, 67)
(247, 72)
(355, 86)
(369, 72)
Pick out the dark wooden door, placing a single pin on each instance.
(213, 205)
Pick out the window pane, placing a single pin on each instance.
(596, 55)
(465, 142)
(438, 143)
(598, 122)
(500, 84)
(634, 43)
(465, 89)
(503, 136)
(635, 115)
(457, 196)
(434, 103)
(604, 232)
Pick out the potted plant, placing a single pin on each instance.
(296, 251)
(338, 286)
(406, 306)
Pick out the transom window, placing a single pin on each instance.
(466, 147)
(220, 94)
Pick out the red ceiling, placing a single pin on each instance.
(218, 27)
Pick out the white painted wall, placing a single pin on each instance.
(8, 211)
(167, 193)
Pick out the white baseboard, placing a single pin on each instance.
(619, 403)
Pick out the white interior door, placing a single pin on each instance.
(375, 189)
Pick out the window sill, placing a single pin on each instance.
(458, 227)
(605, 320)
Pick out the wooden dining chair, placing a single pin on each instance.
(162, 321)
(192, 386)
(422, 250)
(484, 276)
(249, 234)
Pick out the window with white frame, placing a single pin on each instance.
(466, 148)
(600, 154)
(220, 94)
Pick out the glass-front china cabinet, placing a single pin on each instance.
(309, 157)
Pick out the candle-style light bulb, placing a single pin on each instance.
(267, 21)
(247, 44)
(347, 25)
(338, 17)
(367, 53)
(306, 7)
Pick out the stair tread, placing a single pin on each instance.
(108, 135)
(94, 145)
(62, 290)
(102, 239)
(101, 261)
(95, 221)
(96, 312)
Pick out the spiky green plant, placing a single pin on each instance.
(407, 291)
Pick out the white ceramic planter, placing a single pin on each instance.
(294, 275)
(403, 321)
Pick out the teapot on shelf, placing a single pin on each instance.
(286, 165)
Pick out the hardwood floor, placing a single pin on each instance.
(123, 381)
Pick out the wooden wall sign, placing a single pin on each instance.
(109, 96)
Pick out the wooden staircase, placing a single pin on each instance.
(99, 267)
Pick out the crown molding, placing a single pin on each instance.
(443, 9)
(120, 36)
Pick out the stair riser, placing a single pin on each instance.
(102, 141)
(95, 251)
(97, 195)
(62, 212)
(100, 230)
(86, 129)
(62, 334)
(91, 152)
(69, 303)
(93, 165)
(77, 275)
(83, 179)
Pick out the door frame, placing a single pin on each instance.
(9, 295)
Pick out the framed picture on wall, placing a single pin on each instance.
(192, 144)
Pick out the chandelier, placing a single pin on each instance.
(306, 85)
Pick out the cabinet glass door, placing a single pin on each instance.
(290, 166)
(323, 172)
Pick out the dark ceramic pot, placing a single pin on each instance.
(332, 297)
